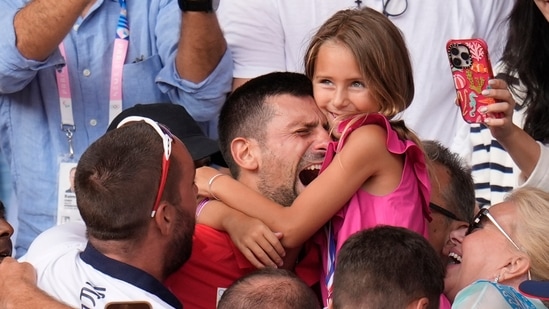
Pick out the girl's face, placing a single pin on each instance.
(543, 6)
(338, 85)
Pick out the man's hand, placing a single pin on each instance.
(18, 287)
(13, 273)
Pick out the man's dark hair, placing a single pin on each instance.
(117, 179)
(387, 267)
(247, 110)
(269, 288)
(460, 194)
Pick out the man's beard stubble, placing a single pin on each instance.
(283, 195)
(180, 250)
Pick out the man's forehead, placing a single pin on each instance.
(283, 101)
(292, 107)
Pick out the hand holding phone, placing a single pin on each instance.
(471, 70)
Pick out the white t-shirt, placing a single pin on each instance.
(273, 35)
(71, 270)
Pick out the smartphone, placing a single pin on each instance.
(129, 305)
(471, 70)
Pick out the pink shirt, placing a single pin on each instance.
(407, 206)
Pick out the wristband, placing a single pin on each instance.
(201, 205)
(196, 5)
(210, 184)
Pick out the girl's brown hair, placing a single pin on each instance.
(381, 53)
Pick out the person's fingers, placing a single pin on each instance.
(265, 253)
(252, 258)
(497, 83)
(261, 255)
(274, 241)
(499, 107)
(494, 122)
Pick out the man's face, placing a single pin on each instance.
(181, 244)
(441, 227)
(293, 149)
(6, 230)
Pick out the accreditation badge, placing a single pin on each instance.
(67, 211)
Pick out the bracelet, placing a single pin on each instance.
(210, 184)
(201, 205)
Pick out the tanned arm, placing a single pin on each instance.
(43, 24)
(201, 46)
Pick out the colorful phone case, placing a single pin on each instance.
(471, 70)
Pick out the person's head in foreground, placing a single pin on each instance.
(269, 288)
(175, 117)
(505, 246)
(387, 267)
(6, 230)
(136, 194)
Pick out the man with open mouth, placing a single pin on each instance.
(273, 138)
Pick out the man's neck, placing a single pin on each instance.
(132, 254)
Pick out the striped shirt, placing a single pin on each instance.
(494, 171)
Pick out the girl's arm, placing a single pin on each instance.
(254, 239)
(362, 157)
(522, 148)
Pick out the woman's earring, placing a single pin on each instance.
(497, 279)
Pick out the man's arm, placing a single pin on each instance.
(18, 288)
(43, 24)
(201, 45)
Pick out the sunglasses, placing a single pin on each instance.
(484, 213)
(167, 140)
(448, 214)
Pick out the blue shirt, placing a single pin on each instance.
(486, 294)
(30, 119)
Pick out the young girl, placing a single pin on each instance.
(375, 173)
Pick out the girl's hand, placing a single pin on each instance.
(202, 178)
(257, 243)
(504, 106)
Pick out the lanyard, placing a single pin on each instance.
(115, 97)
(330, 260)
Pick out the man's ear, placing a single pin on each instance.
(245, 153)
(165, 218)
(421, 303)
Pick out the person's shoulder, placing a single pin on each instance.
(365, 138)
(486, 294)
(57, 239)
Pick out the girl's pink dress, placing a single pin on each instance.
(407, 206)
